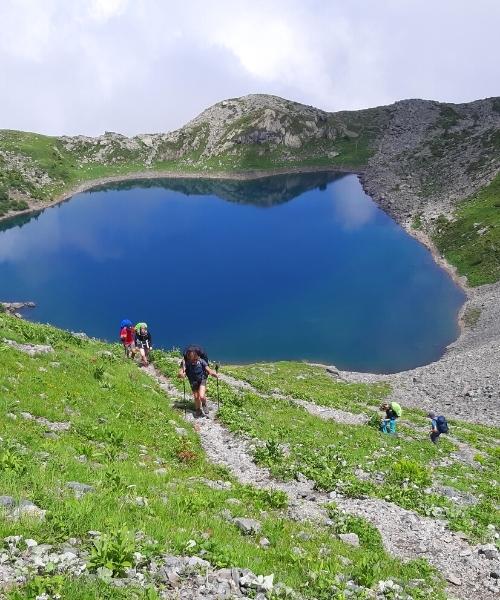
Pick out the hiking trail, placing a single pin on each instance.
(405, 534)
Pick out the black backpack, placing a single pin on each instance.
(442, 424)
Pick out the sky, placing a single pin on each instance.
(135, 66)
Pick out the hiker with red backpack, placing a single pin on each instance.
(127, 337)
(392, 412)
(439, 425)
(194, 365)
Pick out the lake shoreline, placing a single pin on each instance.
(465, 364)
(85, 186)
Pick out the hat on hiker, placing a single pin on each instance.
(431, 415)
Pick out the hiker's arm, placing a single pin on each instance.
(212, 372)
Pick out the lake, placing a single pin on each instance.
(285, 267)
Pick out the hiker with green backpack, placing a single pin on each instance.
(143, 342)
(392, 412)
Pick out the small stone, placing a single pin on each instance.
(264, 542)
(247, 526)
(350, 538)
(181, 431)
(94, 534)
(173, 577)
(30, 543)
(454, 579)
(489, 551)
(6, 502)
(161, 471)
(80, 489)
(28, 509)
(466, 552)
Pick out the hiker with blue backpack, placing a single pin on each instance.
(439, 425)
(194, 365)
(127, 337)
(392, 412)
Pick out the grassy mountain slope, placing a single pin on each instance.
(155, 492)
(471, 240)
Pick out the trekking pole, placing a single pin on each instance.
(184, 389)
(218, 397)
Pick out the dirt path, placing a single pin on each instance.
(405, 534)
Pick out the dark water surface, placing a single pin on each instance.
(286, 267)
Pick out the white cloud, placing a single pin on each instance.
(87, 66)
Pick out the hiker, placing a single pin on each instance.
(127, 337)
(143, 342)
(439, 425)
(195, 365)
(392, 412)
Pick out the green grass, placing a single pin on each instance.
(290, 441)
(123, 428)
(308, 382)
(471, 241)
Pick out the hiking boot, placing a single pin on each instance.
(198, 413)
(205, 410)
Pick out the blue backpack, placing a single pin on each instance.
(442, 425)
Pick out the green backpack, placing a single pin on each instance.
(396, 408)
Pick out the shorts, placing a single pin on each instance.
(195, 385)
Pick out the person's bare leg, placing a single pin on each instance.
(197, 400)
(203, 397)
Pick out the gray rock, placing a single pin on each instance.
(247, 526)
(489, 551)
(454, 579)
(80, 489)
(264, 542)
(350, 538)
(31, 349)
(7, 502)
(27, 509)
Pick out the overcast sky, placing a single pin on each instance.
(86, 66)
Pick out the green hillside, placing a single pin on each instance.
(471, 240)
(82, 413)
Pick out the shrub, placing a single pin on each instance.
(410, 471)
(114, 551)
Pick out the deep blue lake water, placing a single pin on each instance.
(286, 267)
